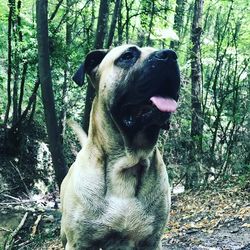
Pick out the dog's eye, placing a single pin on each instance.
(128, 58)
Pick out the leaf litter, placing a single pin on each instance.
(217, 218)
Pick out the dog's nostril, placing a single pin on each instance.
(166, 54)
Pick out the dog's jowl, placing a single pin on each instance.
(116, 194)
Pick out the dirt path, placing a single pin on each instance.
(229, 236)
(212, 219)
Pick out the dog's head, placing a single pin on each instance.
(139, 87)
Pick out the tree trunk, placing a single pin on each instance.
(14, 135)
(23, 117)
(64, 104)
(151, 23)
(113, 23)
(127, 7)
(196, 74)
(15, 83)
(24, 73)
(102, 24)
(18, 37)
(192, 174)
(99, 42)
(119, 25)
(178, 21)
(10, 19)
(32, 112)
(47, 91)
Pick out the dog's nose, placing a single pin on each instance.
(166, 54)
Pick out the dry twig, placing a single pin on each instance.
(9, 242)
(5, 229)
(20, 175)
(34, 228)
(16, 203)
(11, 197)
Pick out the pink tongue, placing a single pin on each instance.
(164, 104)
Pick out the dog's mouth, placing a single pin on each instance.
(155, 111)
(144, 102)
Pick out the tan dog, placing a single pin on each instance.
(116, 194)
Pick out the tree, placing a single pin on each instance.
(178, 21)
(64, 104)
(196, 81)
(113, 23)
(55, 145)
(98, 44)
(10, 21)
(15, 125)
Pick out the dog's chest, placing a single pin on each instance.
(125, 205)
(129, 216)
(125, 183)
(122, 220)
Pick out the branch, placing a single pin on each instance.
(31, 100)
(10, 241)
(20, 175)
(34, 228)
(56, 10)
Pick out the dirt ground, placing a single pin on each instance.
(212, 219)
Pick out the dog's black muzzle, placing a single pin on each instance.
(157, 79)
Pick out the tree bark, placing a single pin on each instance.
(151, 23)
(127, 20)
(113, 23)
(10, 19)
(21, 120)
(119, 25)
(178, 21)
(17, 59)
(24, 73)
(18, 38)
(99, 42)
(15, 83)
(64, 104)
(192, 174)
(55, 146)
(196, 74)
(13, 136)
(102, 24)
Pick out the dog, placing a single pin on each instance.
(116, 194)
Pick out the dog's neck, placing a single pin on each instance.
(120, 161)
(100, 130)
(104, 134)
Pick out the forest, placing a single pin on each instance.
(206, 150)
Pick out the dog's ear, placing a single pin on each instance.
(78, 77)
(93, 59)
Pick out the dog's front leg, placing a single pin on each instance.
(69, 247)
(159, 246)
